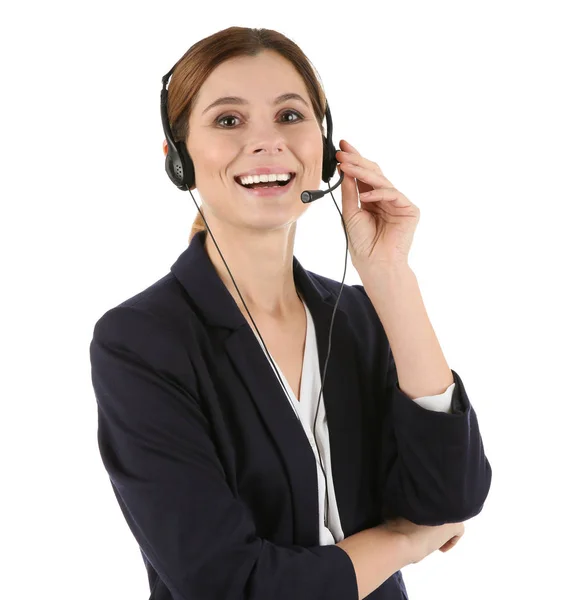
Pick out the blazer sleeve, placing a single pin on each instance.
(435, 469)
(433, 465)
(157, 447)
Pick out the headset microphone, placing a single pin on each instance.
(312, 195)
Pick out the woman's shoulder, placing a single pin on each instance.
(159, 308)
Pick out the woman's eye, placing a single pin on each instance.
(293, 112)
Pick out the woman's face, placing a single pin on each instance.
(229, 139)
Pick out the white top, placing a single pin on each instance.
(306, 408)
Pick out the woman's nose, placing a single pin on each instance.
(266, 133)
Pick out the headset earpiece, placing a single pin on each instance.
(329, 160)
(179, 166)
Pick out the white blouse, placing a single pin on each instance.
(306, 408)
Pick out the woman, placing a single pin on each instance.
(238, 475)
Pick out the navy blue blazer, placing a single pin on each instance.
(213, 471)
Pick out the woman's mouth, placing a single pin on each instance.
(268, 188)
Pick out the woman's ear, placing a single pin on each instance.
(165, 147)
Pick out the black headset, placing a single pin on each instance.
(179, 167)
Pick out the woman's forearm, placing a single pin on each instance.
(377, 554)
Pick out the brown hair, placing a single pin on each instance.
(200, 59)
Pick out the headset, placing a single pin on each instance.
(181, 171)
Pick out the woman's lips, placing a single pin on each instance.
(277, 190)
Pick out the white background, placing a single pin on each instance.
(474, 110)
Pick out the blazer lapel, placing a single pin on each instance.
(340, 393)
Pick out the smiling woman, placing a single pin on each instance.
(221, 481)
(190, 107)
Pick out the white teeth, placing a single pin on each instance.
(264, 178)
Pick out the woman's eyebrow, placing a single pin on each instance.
(238, 100)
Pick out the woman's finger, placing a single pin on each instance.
(450, 544)
(357, 159)
(370, 177)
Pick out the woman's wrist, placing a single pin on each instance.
(377, 554)
(400, 545)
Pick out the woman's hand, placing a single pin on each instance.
(382, 230)
(425, 539)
